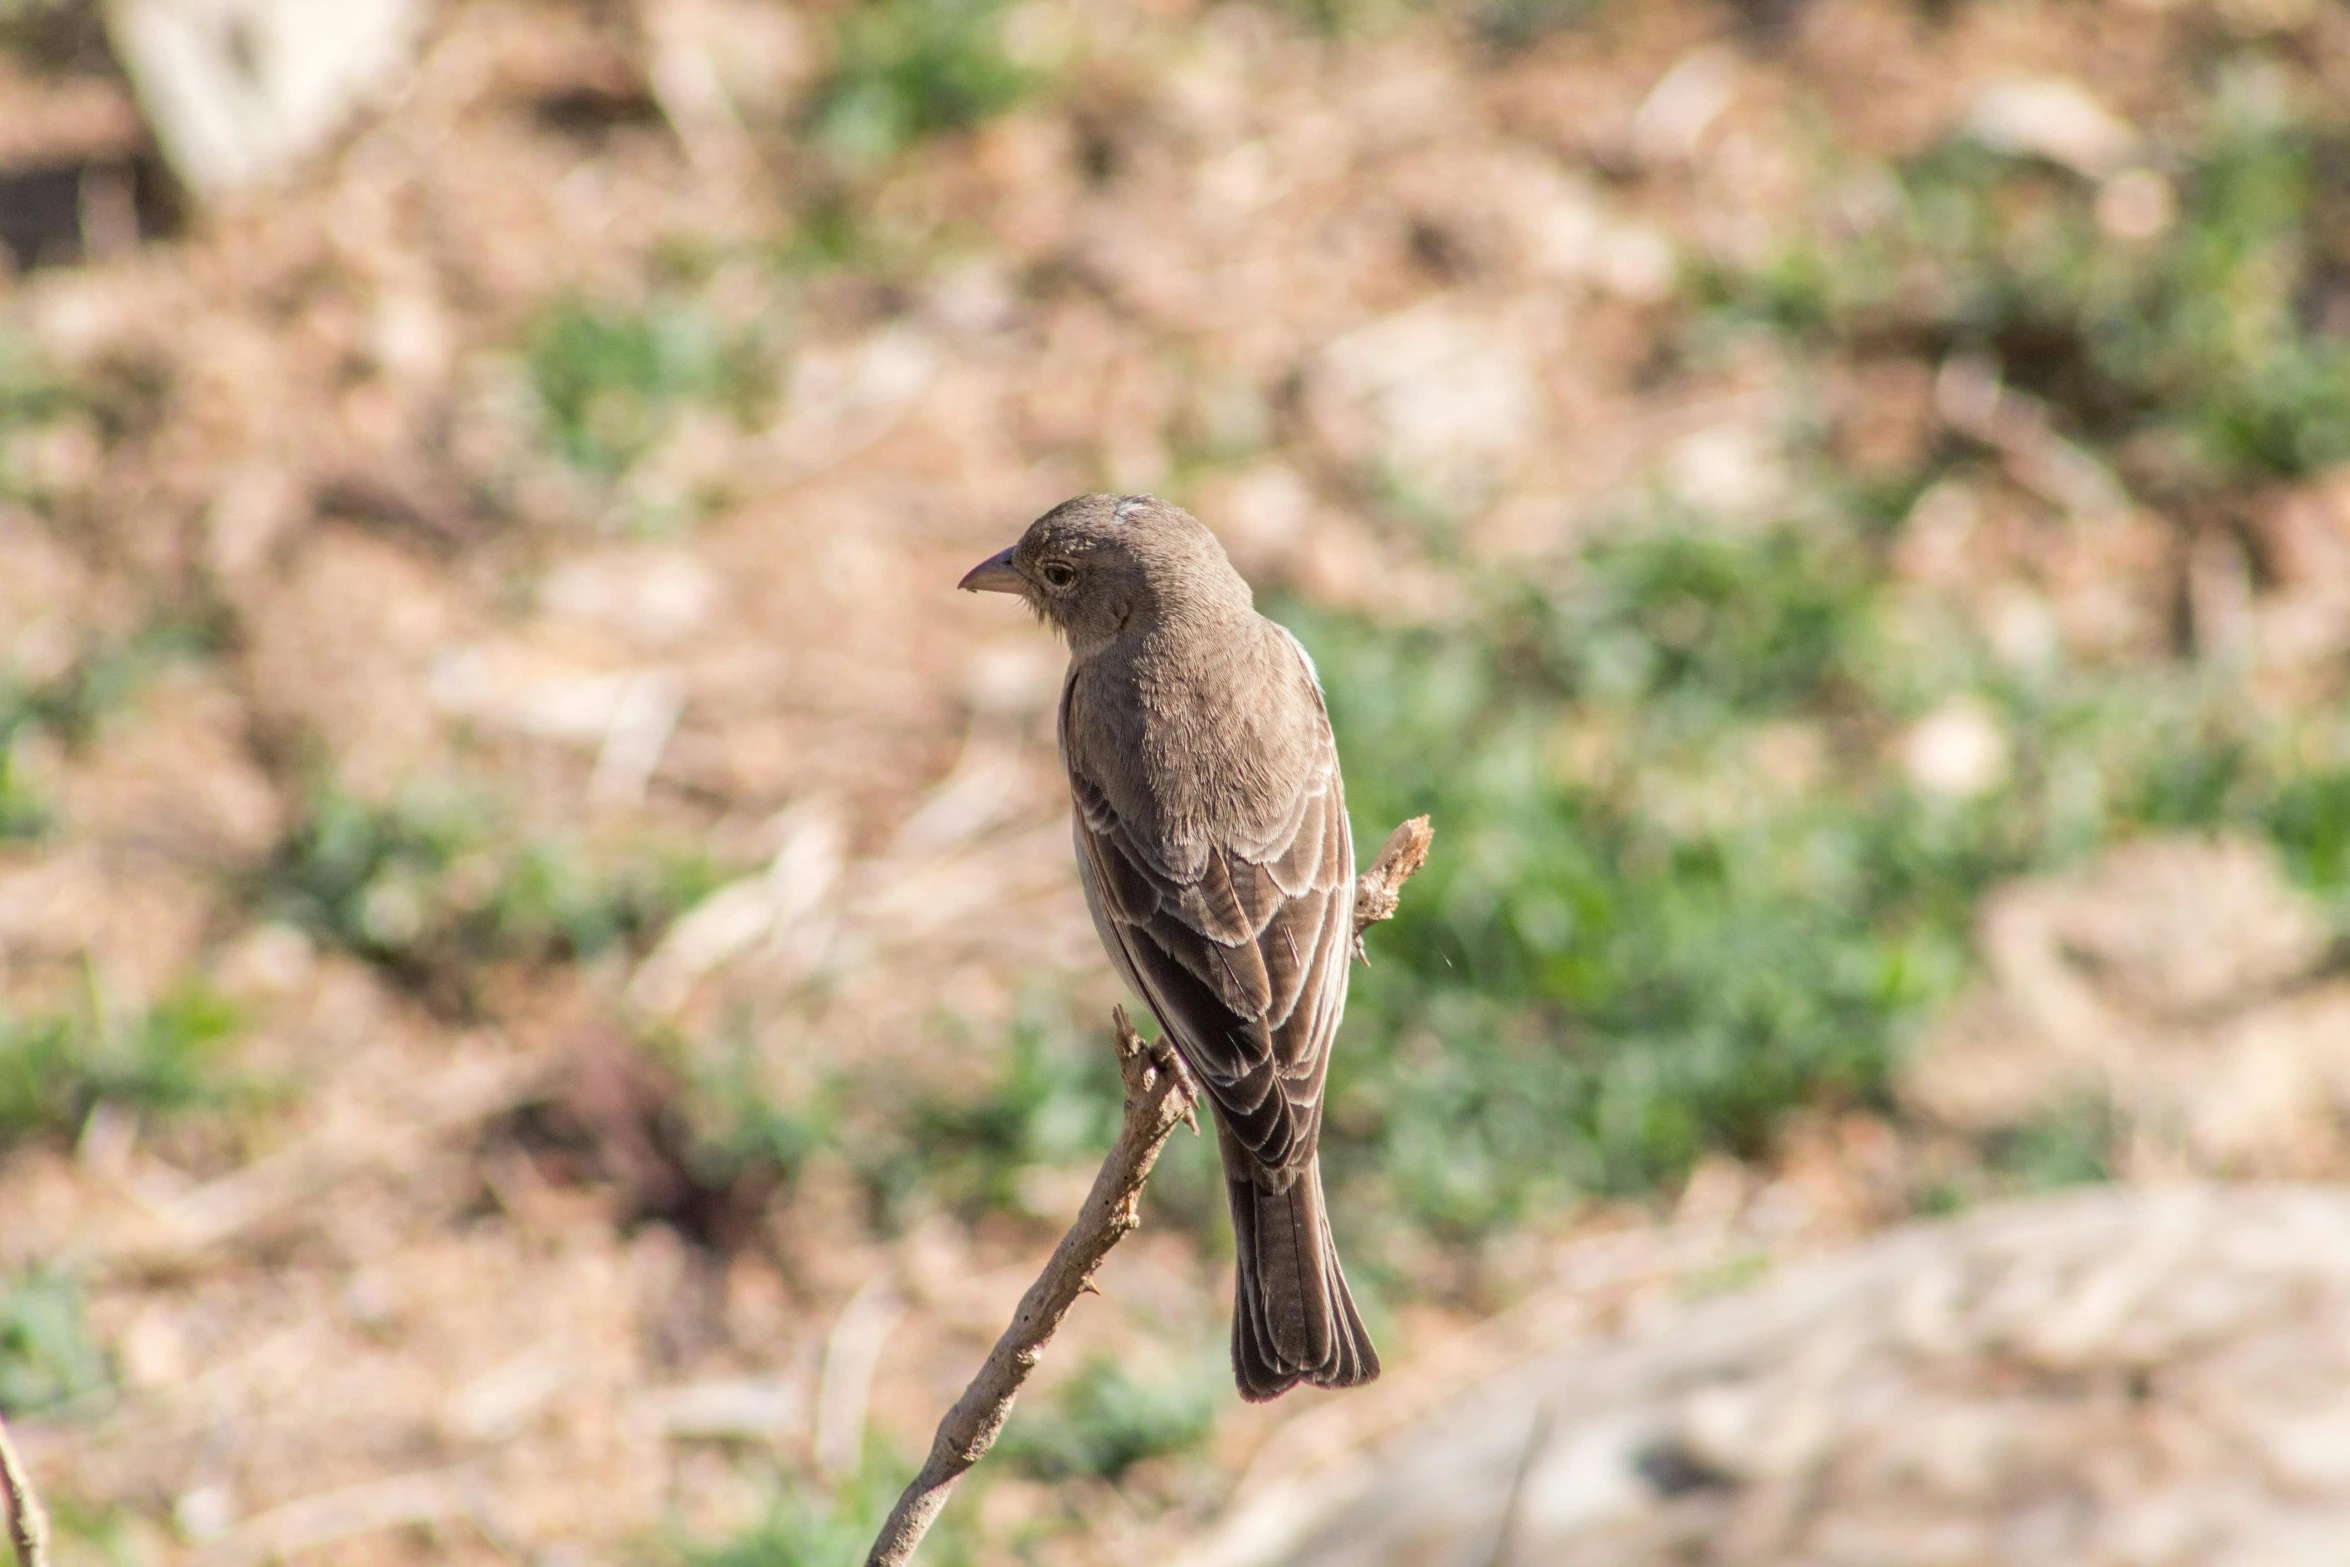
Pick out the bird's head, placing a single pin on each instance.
(1100, 566)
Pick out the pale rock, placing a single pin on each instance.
(205, 1512)
(1954, 1392)
(2136, 205)
(272, 959)
(1957, 752)
(1565, 230)
(1588, 1482)
(411, 338)
(255, 506)
(1684, 104)
(496, 1405)
(2055, 119)
(239, 90)
(1636, 262)
(1730, 469)
(2179, 982)
(2023, 628)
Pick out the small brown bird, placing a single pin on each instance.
(1212, 840)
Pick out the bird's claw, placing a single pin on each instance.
(1172, 1064)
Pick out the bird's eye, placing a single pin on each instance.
(1059, 573)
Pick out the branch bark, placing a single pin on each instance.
(1159, 1097)
(28, 1526)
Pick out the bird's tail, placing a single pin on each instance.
(1292, 1318)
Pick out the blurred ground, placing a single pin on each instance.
(2119, 1376)
(544, 990)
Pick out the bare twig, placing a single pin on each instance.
(28, 1526)
(1159, 1098)
(1155, 1104)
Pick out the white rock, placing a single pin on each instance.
(1588, 1481)
(1684, 103)
(205, 1512)
(1731, 469)
(2050, 118)
(2136, 204)
(237, 90)
(1636, 262)
(1957, 752)
(1889, 1447)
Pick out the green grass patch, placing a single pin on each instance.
(2220, 336)
(804, 1528)
(1502, 26)
(907, 69)
(25, 809)
(1641, 937)
(434, 885)
(1013, 1135)
(30, 393)
(2072, 1141)
(740, 1125)
(68, 707)
(1106, 1419)
(809, 1526)
(2067, 1144)
(1048, 1104)
(1011, 1125)
(56, 1067)
(611, 381)
(47, 1357)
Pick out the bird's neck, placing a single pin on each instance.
(1169, 628)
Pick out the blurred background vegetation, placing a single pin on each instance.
(1769, 480)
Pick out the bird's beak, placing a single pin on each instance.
(994, 575)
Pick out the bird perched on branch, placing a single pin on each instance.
(1212, 840)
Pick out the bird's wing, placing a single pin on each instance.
(1244, 957)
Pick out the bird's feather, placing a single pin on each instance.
(1242, 952)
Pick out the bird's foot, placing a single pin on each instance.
(1141, 1061)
